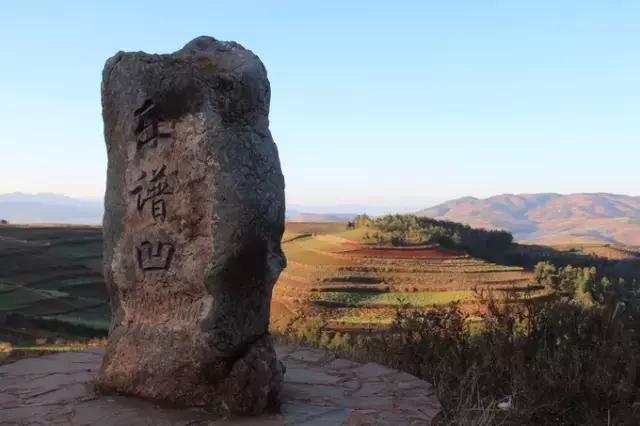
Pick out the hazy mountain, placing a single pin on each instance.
(542, 218)
(339, 212)
(49, 208)
(550, 218)
(347, 209)
(295, 216)
(55, 208)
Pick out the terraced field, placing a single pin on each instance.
(55, 273)
(52, 273)
(331, 273)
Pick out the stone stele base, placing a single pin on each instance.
(319, 389)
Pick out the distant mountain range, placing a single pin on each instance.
(296, 216)
(337, 212)
(540, 218)
(550, 218)
(20, 208)
(49, 208)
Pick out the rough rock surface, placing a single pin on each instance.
(319, 390)
(194, 214)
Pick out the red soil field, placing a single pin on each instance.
(405, 252)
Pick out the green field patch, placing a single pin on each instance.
(18, 252)
(369, 299)
(83, 280)
(22, 297)
(356, 235)
(91, 289)
(50, 233)
(10, 266)
(77, 250)
(7, 287)
(80, 240)
(47, 284)
(62, 280)
(363, 320)
(96, 317)
(59, 305)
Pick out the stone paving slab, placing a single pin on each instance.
(320, 389)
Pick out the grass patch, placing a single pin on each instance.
(315, 227)
(363, 320)
(417, 299)
(297, 253)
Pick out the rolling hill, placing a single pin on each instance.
(550, 218)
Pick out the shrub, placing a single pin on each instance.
(555, 361)
(410, 229)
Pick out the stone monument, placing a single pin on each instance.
(194, 214)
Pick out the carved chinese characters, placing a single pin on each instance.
(153, 257)
(152, 189)
(149, 127)
(194, 216)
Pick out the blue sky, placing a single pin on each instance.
(397, 103)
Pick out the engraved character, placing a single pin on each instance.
(150, 127)
(154, 256)
(155, 191)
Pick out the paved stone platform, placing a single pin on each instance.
(320, 389)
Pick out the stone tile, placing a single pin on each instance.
(35, 366)
(313, 415)
(314, 394)
(57, 390)
(374, 389)
(284, 350)
(341, 364)
(372, 370)
(401, 376)
(310, 376)
(309, 355)
(376, 417)
(70, 393)
(380, 403)
(350, 384)
(7, 399)
(56, 380)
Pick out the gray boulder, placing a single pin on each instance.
(194, 215)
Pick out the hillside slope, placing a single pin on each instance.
(550, 218)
